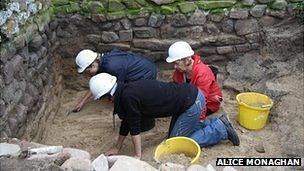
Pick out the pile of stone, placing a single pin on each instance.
(20, 155)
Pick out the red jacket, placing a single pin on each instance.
(203, 78)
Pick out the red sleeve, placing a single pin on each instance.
(178, 77)
(203, 82)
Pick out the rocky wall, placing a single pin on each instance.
(28, 80)
(36, 35)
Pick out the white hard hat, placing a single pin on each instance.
(85, 58)
(179, 50)
(101, 84)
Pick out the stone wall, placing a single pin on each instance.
(28, 81)
(34, 41)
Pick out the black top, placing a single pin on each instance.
(151, 99)
(127, 67)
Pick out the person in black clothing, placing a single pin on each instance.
(127, 67)
(156, 99)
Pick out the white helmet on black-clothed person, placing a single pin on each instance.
(101, 84)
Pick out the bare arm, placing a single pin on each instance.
(136, 139)
(83, 101)
(116, 148)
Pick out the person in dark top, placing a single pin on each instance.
(156, 99)
(127, 67)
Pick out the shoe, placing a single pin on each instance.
(232, 135)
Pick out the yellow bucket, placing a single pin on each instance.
(254, 109)
(178, 145)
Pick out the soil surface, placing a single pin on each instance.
(91, 129)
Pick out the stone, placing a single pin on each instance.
(255, 46)
(212, 28)
(94, 38)
(186, 7)
(98, 18)
(264, 1)
(8, 72)
(145, 32)
(33, 59)
(196, 167)
(100, 163)
(30, 31)
(128, 163)
(109, 46)
(21, 112)
(248, 3)
(229, 168)
(131, 4)
(13, 125)
(117, 26)
(243, 47)
(171, 166)
(216, 17)
(17, 62)
(223, 39)
(228, 26)
(156, 20)
(63, 33)
(115, 15)
(243, 27)
(208, 5)
(109, 37)
(35, 44)
(259, 148)
(77, 153)
(10, 28)
(258, 10)
(2, 105)
(42, 20)
(198, 18)
(53, 24)
(115, 5)
(60, 2)
(140, 22)
(161, 2)
(177, 20)
(267, 21)
(4, 15)
(238, 14)
(126, 23)
(32, 90)
(281, 14)
(152, 44)
(94, 7)
(19, 41)
(253, 38)
(9, 149)
(61, 158)
(166, 10)
(125, 35)
(215, 58)
(206, 50)
(77, 164)
(20, 165)
(278, 5)
(224, 49)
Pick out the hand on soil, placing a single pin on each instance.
(112, 151)
(78, 107)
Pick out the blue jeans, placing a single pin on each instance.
(206, 133)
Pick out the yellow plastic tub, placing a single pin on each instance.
(254, 109)
(178, 145)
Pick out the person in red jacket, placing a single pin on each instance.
(189, 68)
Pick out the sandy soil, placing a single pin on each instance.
(91, 129)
